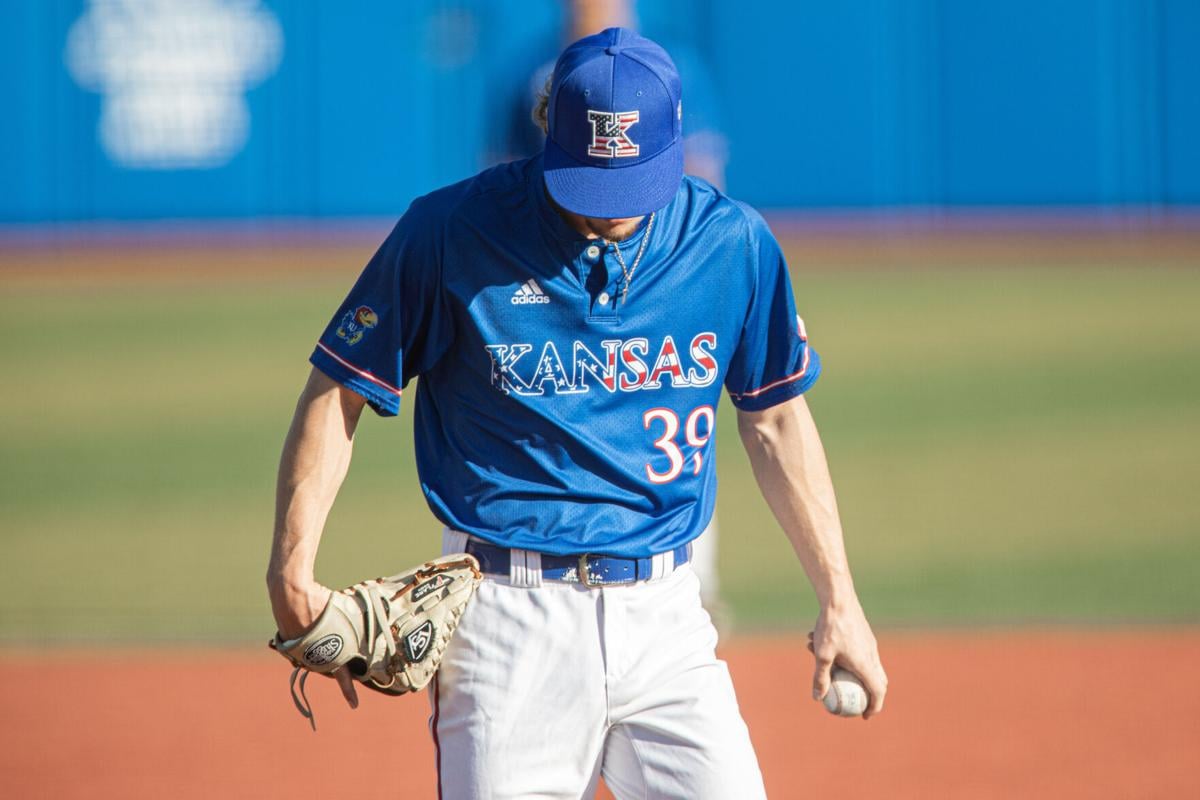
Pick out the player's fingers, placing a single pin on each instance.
(811, 649)
(821, 676)
(346, 684)
(875, 682)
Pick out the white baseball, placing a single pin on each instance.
(846, 696)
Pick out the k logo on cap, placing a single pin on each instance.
(614, 148)
(609, 134)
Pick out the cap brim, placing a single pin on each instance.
(613, 192)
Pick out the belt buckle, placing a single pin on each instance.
(584, 576)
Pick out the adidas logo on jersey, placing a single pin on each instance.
(528, 293)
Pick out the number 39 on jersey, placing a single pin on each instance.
(697, 430)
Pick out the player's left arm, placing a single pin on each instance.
(789, 464)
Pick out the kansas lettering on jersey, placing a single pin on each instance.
(623, 365)
(555, 411)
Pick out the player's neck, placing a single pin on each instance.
(613, 230)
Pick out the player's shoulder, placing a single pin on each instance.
(428, 232)
(433, 211)
(418, 240)
(708, 205)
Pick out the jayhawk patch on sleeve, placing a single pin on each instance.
(355, 324)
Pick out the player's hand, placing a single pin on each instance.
(843, 637)
(296, 607)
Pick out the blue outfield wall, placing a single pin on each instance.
(121, 109)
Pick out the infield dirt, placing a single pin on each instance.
(1049, 714)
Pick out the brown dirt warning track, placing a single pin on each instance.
(101, 254)
(1051, 714)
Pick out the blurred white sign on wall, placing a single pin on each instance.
(174, 75)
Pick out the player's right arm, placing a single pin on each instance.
(392, 326)
(316, 456)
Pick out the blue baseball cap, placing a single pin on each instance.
(614, 148)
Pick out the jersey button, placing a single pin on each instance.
(593, 252)
(603, 298)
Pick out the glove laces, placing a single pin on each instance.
(377, 610)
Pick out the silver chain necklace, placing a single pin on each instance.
(627, 271)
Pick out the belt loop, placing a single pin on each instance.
(664, 564)
(453, 541)
(525, 568)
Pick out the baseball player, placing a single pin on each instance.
(573, 318)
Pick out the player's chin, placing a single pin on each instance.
(614, 228)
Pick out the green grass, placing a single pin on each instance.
(1008, 445)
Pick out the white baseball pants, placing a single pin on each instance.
(548, 685)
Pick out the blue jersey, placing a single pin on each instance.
(553, 414)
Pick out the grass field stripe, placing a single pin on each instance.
(790, 378)
(362, 372)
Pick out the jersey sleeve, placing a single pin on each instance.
(393, 325)
(773, 361)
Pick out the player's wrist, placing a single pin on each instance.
(837, 596)
(292, 565)
(286, 583)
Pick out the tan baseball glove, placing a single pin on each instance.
(389, 633)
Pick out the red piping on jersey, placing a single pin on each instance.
(794, 377)
(361, 372)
